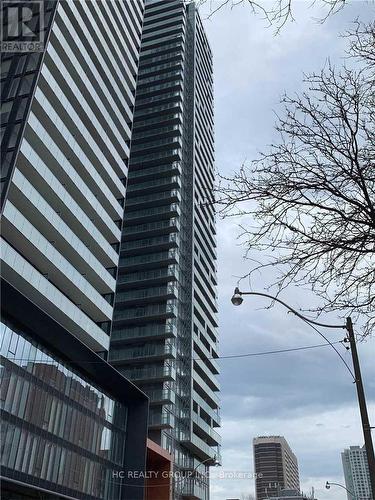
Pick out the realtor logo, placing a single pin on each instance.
(22, 26)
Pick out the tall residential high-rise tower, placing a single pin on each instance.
(66, 126)
(164, 334)
(70, 420)
(275, 466)
(356, 473)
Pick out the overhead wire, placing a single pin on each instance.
(229, 356)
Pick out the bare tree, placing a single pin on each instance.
(276, 13)
(311, 196)
(362, 46)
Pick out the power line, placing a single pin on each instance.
(279, 351)
(229, 356)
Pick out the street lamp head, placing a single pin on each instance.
(328, 485)
(237, 297)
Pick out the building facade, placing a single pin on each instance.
(275, 466)
(70, 419)
(164, 335)
(356, 473)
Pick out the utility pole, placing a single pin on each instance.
(362, 406)
(237, 300)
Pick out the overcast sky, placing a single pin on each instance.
(307, 396)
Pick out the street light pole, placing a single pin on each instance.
(366, 428)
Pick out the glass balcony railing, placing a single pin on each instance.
(168, 240)
(147, 351)
(165, 96)
(193, 488)
(205, 350)
(162, 86)
(179, 28)
(171, 272)
(154, 22)
(161, 48)
(171, 168)
(175, 107)
(149, 79)
(174, 154)
(169, 38)
(169, 210)
(143, 332)
(206, 428)
(172, 195)
(175, 16)
(209, 450)
(198, 380)
(174, 130)
(156, 68)
(168, 256)
(168, 225)
(174, 139)
(165, 396)
(149, 373)
(172, 181)
(151, 311)
(207, 375)
(199, 446)
(147, 293)
(213, 413)
(160, 77)
(164, 57)
(164, 419)
(175, 117)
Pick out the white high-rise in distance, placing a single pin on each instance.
(356, 473)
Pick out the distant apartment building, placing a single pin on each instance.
(70, 420)
(164, 335)
(291, 494)
(275, 466)
(356, 473)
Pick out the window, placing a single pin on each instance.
(14, 136)
(21, 108)
(5, 165)
(32, 62)
(6, 109)
(5, 65)
(2, 134)
(26, 83)
(21, 64)
(13, 88)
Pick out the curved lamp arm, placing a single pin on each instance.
(237, 301)
(238, 294)
(216, 463)
(328, 485)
